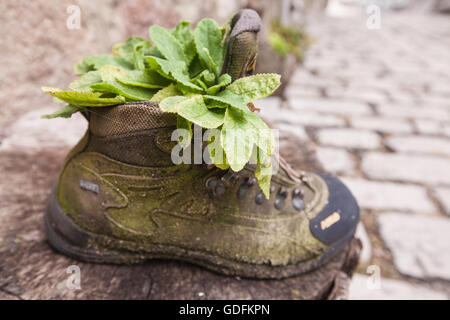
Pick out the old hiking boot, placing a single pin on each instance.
(120, 199)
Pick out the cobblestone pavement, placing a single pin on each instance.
(376, 106)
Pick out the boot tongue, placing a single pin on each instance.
(242, 44)
(240, 61)
(246, 20)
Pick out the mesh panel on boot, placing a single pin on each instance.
(127, 118)
(134, 133)
(149, 148)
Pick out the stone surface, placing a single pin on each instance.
(414, 112)
(350, 138)
(365, 94)
(388, 195)
(330, 106)
(362, 288)
(401, 77)
(419, 169)
(431, 145)
(307, 118)
(447, 131)
(335, 160)
(269, 103)
(428, 126)
(308, 90)
(384, 125)
(420, 245)
(314, 119)
(32, 132)
(286, 129)
(443, 195)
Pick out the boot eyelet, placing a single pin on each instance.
(211, 183)
(279, 201)
(251, 181)
(280, 197)
(297, 199)
(259, 199)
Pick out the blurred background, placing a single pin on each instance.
(366, 93)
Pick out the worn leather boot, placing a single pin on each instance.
(120, 198)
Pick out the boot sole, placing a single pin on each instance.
(67, 237)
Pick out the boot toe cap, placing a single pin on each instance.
(337, 222)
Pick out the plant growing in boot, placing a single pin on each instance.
(121, 199)
(183, 70)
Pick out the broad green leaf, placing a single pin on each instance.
(182, 123)
(225, 31)
(131, 93)
(263, 134)
(207, 35)
(65, 112)
(237, 138)
(127, 50)
(173, 70)
(139, 54)
(83, 98)
(224, 80)
(171, 104)
(255, 87)
(186, 90)
(195, 110)
(196, 67)
(146, 79)
(56, 100)
(154, 52)
(240, 132)
(208, 77)
(211, 104)
(115, 49)
(167, 44)
(231, 99)
(215, 150)
(204, 79)
(83, 83)
(184, 35)
(109, 75)
(211, 63)
(166, 92)
(264, 174)
(201, 84)
(92, 63)
(164, 67)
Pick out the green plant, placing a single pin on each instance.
(285, 39)
(181, 70)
